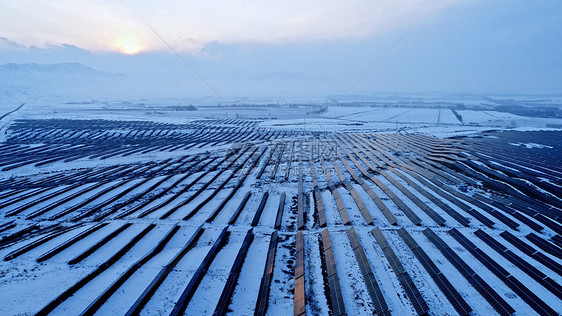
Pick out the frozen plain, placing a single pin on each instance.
(182, 159)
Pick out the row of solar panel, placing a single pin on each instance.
(523, 265)
(529, 297)
(495, 300)
(460, 305)
(409, 287)
(335, 298)
(383, 208)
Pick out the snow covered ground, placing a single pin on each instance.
(173, 171)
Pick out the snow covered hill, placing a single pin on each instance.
(62, 79)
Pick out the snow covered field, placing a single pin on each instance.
(144, 207)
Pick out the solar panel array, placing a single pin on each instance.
(165, 218)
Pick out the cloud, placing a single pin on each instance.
(107, 25)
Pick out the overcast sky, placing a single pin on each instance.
(288, 46)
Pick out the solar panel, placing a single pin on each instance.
(440, 244)
(525, 248)
(401, 205)
(338, 306)
(226, 295)
(336, 298)
(379, 302)
(383, 243)
(461, 239)
(545, 245)
(557, 239)
(524, 266)
(531, 299)
(407, 284)
(413, 294)
(299, 255)
(280, 208)
(341, 208)
(444, 285)
(430, 212)
(490, 241)
(459, 304)
(426, 261)
(299, 302)
(492, 296)
(299, 299)
(495, 300)
(319, 206)
(499, 271)
(410, 242)
(259, 211)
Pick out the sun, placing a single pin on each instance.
(129, 45)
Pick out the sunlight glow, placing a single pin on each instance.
(129, 45)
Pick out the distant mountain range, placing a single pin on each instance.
(67, 79)
(42, 69)
(73, 80)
